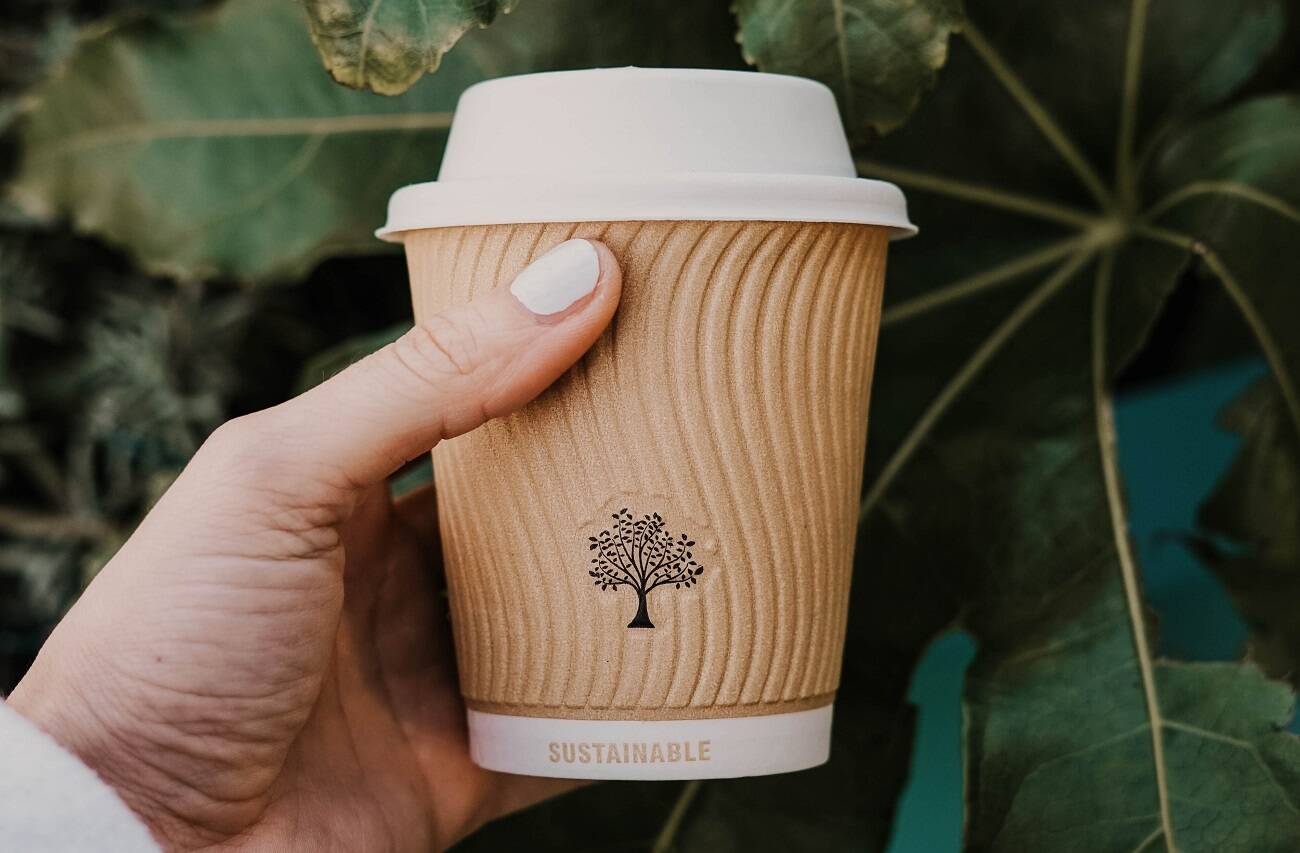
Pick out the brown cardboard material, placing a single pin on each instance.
(727, 402)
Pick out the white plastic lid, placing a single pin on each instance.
(616, 144)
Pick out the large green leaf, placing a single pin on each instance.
(1250, 528)
(877, 55)
(35, 37)
(387, 46)
(217, 146)
(1057, 215)
(1231, 193)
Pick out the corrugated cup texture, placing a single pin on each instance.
(666, 533)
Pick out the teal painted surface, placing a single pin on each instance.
(1171, 453)
(929, 816)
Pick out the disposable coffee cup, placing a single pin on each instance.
(649, 565)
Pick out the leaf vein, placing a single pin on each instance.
(842, 45)
(363, 53)
(270, 187)
(978, 359)
(1197, 731)
(993, 277)
(146, 132)
(1038, 115)
(978, 194)
(1272, 352)
(1129, 100)
(667, 835)
(1229, 188)
(1155, 835)
(1106, 443)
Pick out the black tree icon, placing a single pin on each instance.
(643, 555)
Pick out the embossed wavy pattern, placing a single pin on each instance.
(729, 395)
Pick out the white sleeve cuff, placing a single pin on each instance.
(52, 803)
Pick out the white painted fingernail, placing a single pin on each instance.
(558, 278)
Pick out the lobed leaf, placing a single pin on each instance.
(993, 498)
(215, 146)
(878, 56)
(1250, 528)
(387, 45)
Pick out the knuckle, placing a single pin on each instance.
(440, 346)
(235, 440)
(252, 467)
(254, 473)
(246, 447)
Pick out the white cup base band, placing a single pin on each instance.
(651, 749)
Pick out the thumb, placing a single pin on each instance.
(452, 372)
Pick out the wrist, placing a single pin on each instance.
(84, 727)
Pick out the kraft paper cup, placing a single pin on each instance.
(649, 566)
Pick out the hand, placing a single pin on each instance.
(266, 664)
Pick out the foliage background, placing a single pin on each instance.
(150, 289)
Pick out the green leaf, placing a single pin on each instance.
(216, 146)
(35, 38)
(1229, 772)
(387, 45)
(878, 56)
(1250, 528)
(1231, 193)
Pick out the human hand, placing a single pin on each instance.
(265, 664)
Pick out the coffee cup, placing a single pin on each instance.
(648, 567)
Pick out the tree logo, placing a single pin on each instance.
(643, 555)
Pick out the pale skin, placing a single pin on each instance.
(266, 665)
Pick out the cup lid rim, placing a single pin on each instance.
(530, 78)
(724, 196)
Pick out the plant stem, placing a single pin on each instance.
(1229, 188)
(842, 45)
(977, 193)
(142, 132)
(1039, 116)
(964, 288)
(1106, 440)
(1272, 352)
(667, 835)
(1128, 105)
(978, 359)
